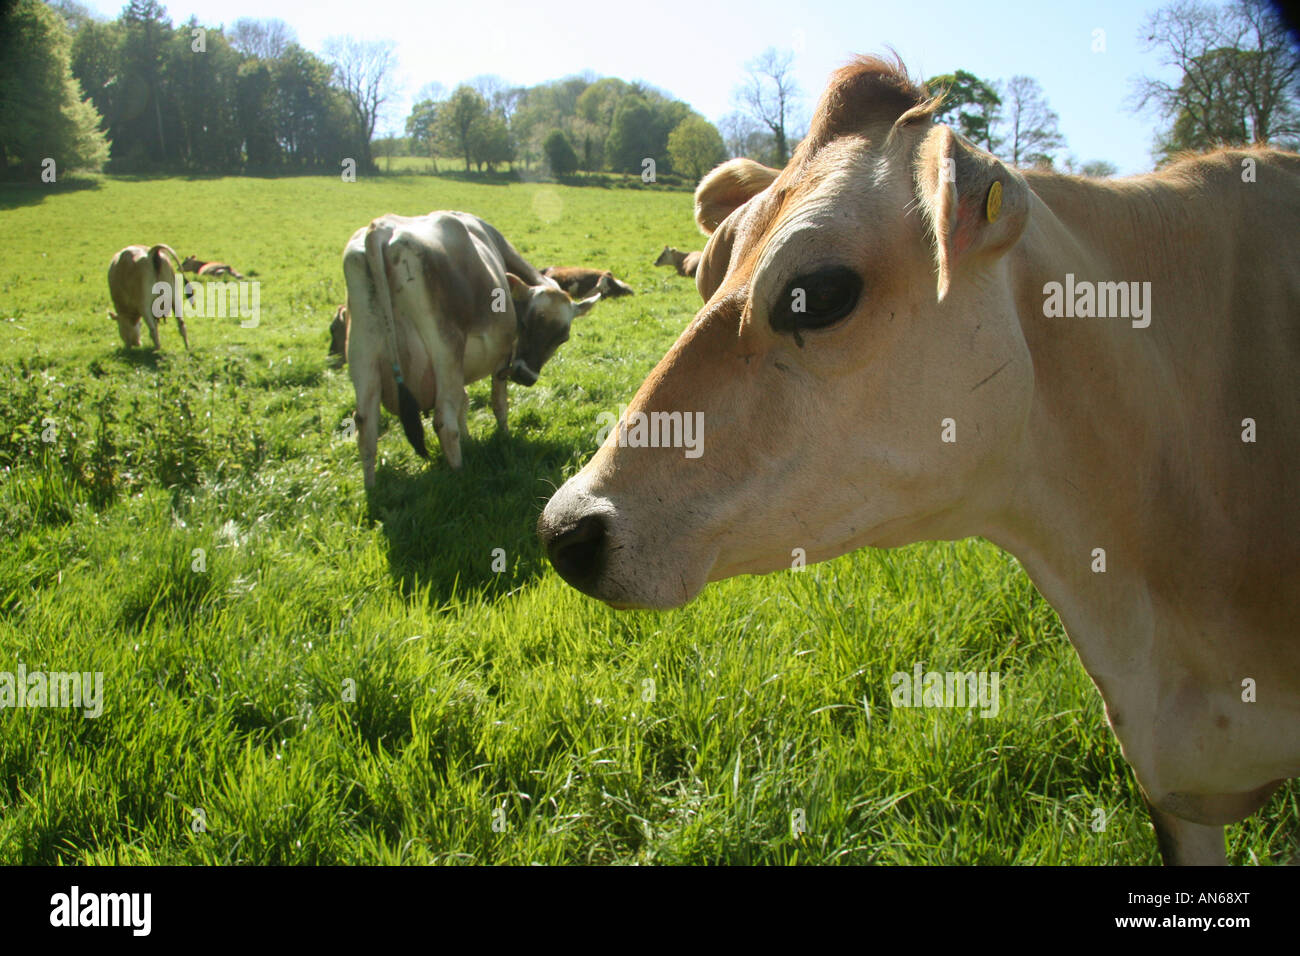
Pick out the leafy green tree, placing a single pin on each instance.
(423, 129)
(459, 119)
(199, 95)
(490, 142)
(254, 103)
(43, 113)
(147, 33)
(314, 128)
(560, 156)
(970, 105)
(695, 147)
(633, 137)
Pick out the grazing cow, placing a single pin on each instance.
(884, 357)
(686, 263)
(580, 282)
(132, 275)
(206, 269)
(436, 302)
(339, 335)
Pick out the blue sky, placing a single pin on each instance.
(698, 54)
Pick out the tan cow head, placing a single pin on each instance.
(854, 303)
(668, 257)
(545, 313)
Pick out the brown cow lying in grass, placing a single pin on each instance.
(197, 266)
(684, 262)
(580, 283)
(132, 276)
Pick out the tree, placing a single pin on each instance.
(147, 32)
(458, 119)
(1240, 76)
(1031, 128)
(490, 141)
(312, 118)
(199, 96)
(971, 105)
(423, 130)
(770, 95)
(42, 111)
(363, 70)
(263, 39)
(632, 138)
(1099, 169)
(695, 147)
(744, 136)
(559, 153)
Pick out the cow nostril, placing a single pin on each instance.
(579, 553)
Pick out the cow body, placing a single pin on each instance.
(1077, 440)
(460, 304)
(579, 282)
(133, 274)
(686, 263)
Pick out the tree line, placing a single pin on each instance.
(190, 97)
(576, 123)
(145, 95)
(149, 96)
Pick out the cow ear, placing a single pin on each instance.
(727, 188)
(519, 289)
(583, 307)
(974, 205)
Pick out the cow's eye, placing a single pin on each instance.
(817, 299)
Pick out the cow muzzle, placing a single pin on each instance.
(606, 553)
(521, 374)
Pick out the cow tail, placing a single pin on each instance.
(157, 256)
(408, 409)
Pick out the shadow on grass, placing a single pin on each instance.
(15, 194)
(473, 530)
(139, 357)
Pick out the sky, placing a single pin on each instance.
(697, 51)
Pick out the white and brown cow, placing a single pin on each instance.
(436, 302)
(894, 287)
(133, 276)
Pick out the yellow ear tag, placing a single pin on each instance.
(994, 205)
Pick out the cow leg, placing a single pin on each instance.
(500, 403)
(449, 375)
(366, 421)
(463, 417)
(180, 326)
(1183, 843)
(153, 329)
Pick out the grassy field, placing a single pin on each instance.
(295, 672)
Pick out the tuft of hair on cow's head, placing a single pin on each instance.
(544, 315)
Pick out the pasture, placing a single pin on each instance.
(194, 526)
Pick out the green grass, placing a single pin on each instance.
(230, 690)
